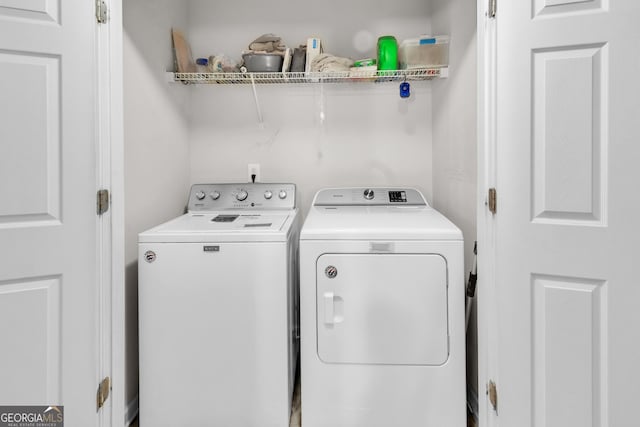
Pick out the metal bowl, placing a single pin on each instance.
(263, 62)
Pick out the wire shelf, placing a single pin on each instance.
(315, 77)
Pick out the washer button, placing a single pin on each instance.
(268, 194)
(282, 194)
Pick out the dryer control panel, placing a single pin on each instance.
(372, 196)
(261, 196)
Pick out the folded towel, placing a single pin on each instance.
(267, 38)
(269, 43)
(325, 62)
(268, 47)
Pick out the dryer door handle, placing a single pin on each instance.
(329, 311)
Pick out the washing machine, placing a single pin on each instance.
(218, 303)
(382, 312)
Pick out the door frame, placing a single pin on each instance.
(486, 227)
(110, 226)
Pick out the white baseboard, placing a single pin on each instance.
(131, 411)
(472, 402)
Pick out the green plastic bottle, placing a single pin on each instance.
(387, 53)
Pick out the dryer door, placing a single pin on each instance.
(382, 309)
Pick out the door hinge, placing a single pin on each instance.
(492, 391)
(492, 202)
(102, 201)
(102, 12)
(103, 392)
(493, 6)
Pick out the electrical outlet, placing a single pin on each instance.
(253, 169)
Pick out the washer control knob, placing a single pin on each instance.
(242, 195)
(282, 194)
(368, 194)
(215, 195)
(268, 194)
(200, 195)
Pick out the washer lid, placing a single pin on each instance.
(224, 222)
(223, 226)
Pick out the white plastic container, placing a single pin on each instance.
(314, 48)
(424, 52)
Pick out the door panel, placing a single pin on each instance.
(554, 7)
(42, 10)
(48, 222)
(566, 228)
(382, 309)
(568, 334)
(569, 112)
(30, 154)
(34, 305)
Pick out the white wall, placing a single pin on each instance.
(156, 144)
(455, 136)
(368, 136)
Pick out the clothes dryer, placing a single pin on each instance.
(382, 312)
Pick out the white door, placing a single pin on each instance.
(567, 227)
(48, 222)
